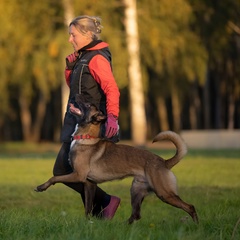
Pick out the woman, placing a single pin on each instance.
(88, 72)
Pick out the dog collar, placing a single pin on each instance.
(85, 136)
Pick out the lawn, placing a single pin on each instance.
(209, 179)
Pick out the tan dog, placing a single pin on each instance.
(95, 161)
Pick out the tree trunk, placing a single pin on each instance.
(68, 15)
(176, 110)
(32, 130)
(217, 121)
(25, 116)
(41, 110)
(206, 102)
(194, 107)
(231, 110)
(138, 116)
(162, 113)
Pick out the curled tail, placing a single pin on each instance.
(177, 141)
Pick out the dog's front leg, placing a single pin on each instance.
(44, 186)
(72, 177)
(89, 191)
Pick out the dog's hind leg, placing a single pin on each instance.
(176, 201)
(139, 190)
(165, 187)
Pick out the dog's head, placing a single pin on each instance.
(85, 112)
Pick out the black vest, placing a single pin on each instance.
(82, 82)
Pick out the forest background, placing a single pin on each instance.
(189, 55)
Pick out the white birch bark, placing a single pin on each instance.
(138, 116)
(68, 16)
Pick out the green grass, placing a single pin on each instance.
(208, 179)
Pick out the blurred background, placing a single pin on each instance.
(186, 77)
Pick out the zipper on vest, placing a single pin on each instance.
(80, 79)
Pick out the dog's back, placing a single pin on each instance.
(111, 161)
(118, 161)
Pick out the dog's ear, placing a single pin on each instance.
(99, 117)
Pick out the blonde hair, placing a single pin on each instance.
(87, 23)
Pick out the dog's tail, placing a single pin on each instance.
(177, 141)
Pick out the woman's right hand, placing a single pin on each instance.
(71, 59)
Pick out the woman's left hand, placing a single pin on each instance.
(111, 126)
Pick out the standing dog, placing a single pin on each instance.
(95, 161)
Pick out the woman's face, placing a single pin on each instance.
(78, 39)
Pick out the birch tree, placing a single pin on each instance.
(138, 117)
(68, 16)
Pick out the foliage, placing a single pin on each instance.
(189, 56)
(208, 179)
(166, 33)
(217, 24)
(30, 47)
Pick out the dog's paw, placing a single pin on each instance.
(38, 189)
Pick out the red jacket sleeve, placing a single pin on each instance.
(67, 73)
(101, 71)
